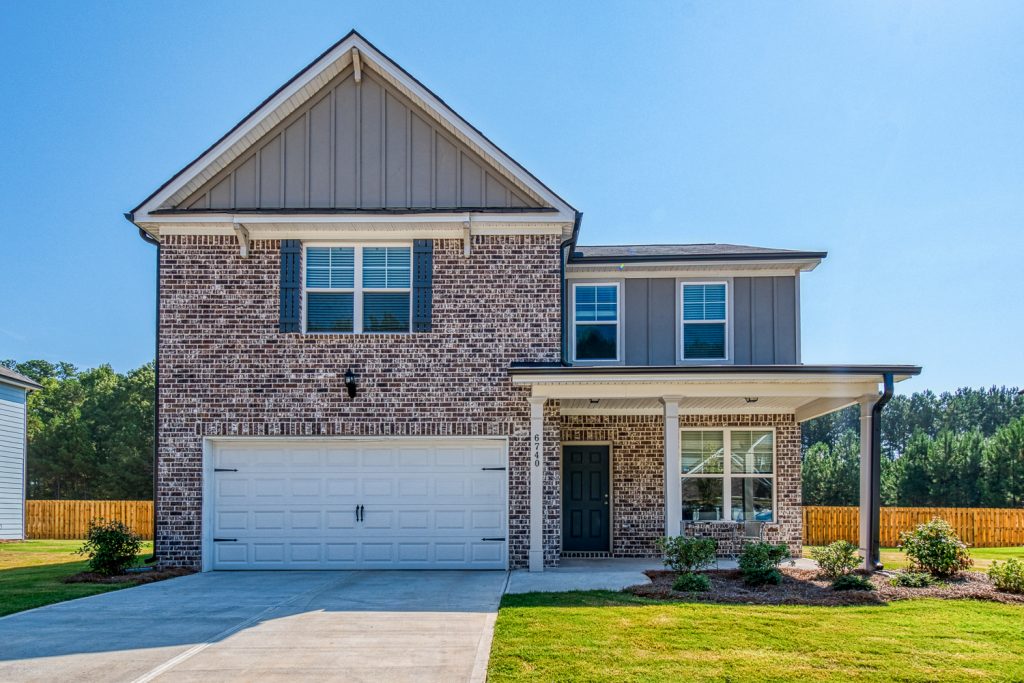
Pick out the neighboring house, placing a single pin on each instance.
(381, 346)
(14, 390)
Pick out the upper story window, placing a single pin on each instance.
(705, 318)
(358, 288)
(596, 322)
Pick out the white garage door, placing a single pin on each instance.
(347, 504)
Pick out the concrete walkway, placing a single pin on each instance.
(266, 626)
(603, 574)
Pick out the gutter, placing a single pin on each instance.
(562, 259)
(156, 398)
(875, 509)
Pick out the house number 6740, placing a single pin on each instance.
(536, 450)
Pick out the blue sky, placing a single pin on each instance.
(889, 134)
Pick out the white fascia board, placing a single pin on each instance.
(745, 268)
(700, 388)
(341, 55)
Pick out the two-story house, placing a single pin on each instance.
(381, 345)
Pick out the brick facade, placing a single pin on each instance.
(225, 369)
(637, 452)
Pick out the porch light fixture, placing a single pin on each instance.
(751, 399)
(594, 401)
(350, 383)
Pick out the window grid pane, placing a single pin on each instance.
(704, 341)
(703, 452)
(597, 303)
(329, 312)
(330, 267)
(751, 452)
(386, 267)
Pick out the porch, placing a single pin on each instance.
(621, 456)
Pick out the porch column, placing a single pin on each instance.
(867, 476)
(536, 484)
(673, 493)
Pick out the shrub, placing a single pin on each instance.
(912, 580)
(111, 546)
(689, 582)
(759, 563)
(934, 547)
(852, 582)
(687, 554)
(836, 559)
(1008, 576)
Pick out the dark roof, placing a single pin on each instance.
(309, 66)
(18, 380)
(557, 369)
(686, 252)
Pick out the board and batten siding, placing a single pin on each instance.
(358, 146)
(764, 318)
(12, 462)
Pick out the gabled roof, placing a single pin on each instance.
(355, 52)
(628, 253)
(18, 380)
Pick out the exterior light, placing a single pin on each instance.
(350, 383)
(750, 399)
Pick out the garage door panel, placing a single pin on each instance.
(426, 504)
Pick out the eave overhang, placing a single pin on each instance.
(806, 391)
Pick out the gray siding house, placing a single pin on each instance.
(14, 389)
(381, 344)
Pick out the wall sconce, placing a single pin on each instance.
(350, 383)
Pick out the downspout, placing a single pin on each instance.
(156, 373)
(563, 257)
(875, 509)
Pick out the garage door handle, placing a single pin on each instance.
(223, 469)
(225, 540)
(492, 539)
(502, 469)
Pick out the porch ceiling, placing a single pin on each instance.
(804, 391)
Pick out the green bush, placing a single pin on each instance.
(852, 582)
(759, 563)
(934, 547)
(111, 547)
(912, 580)
(836, 559)
(689, 582)
(684, 554)
(1008, 576)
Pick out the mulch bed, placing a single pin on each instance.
(806, 587)
(131, 577)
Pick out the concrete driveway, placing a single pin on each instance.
(266, 626)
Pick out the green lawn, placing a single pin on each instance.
(602, 636)
(31, 574)
(983, 557)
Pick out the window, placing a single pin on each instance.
(596, 321)
(358, 289)
(705, 312)
(740, 487)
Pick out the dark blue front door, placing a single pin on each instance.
(585, 489)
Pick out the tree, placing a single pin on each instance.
(1004, 466)
(831, 476)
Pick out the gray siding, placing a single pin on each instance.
(12, 462)
(650, 337)
(357, 146)
(765, 320)
(763, 316)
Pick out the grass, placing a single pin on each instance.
(602, 636)
(32, 573)
(983, 557)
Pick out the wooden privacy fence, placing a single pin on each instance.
(69, 519)
(980, 527)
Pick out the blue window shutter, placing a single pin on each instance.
(291, 285)
(422, 284)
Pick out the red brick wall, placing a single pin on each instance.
(226, 370)
(638, 447)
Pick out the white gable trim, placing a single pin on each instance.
(305, 85)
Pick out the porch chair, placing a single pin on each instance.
(752, 532)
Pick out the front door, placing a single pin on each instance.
(585, 506)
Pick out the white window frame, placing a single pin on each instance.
(357, 289)
(683, 322)
(617, 322)
(727, 476)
